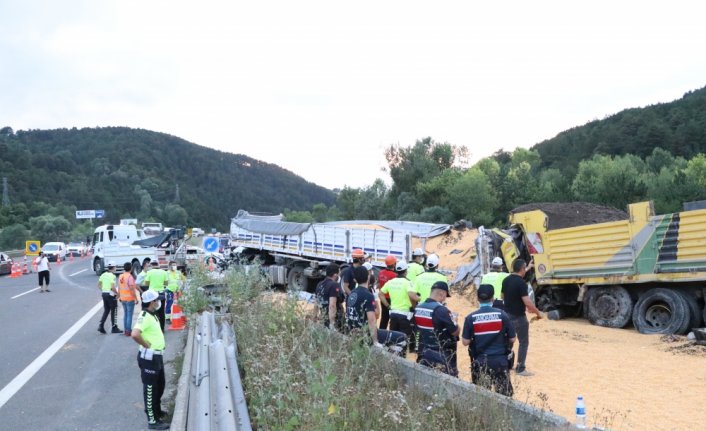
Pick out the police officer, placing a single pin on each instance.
(148, 334)
(426, 280)
(495, 278)
(438, 331)
(329, 298)
(109, 292)
(415, 266)
(174, 282)
(402, 298)
(490, 336)
(157, 279)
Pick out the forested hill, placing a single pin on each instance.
(134, 173)
(678, 127)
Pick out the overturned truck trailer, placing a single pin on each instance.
(296, 254)
(646, 269)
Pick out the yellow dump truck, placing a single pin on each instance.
(649, 269)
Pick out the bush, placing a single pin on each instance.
(14, 237)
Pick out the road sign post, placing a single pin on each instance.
(211, 244)
(32, 248)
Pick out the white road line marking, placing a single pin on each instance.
(18, 382)
(76, 273)
(29, 291)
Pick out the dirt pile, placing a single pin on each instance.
(455, 247)
(570, 214)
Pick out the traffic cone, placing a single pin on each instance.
(16, 270)
(211, 264)
(25, 267)
(178, 318)
(58, 259)
(71, 259)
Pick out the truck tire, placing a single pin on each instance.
(661, 311)
(694, 309)
(98, 266)
(609, 306)
(296, 280)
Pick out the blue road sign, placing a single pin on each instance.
(211, 244)
(100, 213)
(33, 247)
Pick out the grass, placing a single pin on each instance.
(299, 376)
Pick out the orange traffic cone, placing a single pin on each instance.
(211, 264)
(58, 259)
(178, 318)
(16, 270)
(25, 267)
(71, 259)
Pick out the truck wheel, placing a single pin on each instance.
(98, 266)
(609, 306)
(694, 309)
(296, 280)
(661, 311)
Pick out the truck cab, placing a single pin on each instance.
(115, 243)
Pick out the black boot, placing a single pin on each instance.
(100, 329)
(158, 426)
(116, 330)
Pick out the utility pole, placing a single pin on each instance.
(176, 196)
(5, 196)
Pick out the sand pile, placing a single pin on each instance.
(455, 248)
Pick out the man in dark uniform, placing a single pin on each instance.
(348, 280)
(329, 297)
(362, 312)
(489, 335)
(438, 331)
(148, 334)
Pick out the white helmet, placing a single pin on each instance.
(497, 261)
(401, 266)
(368, 266)
(418, 252)
(149, 295)
(432, 261)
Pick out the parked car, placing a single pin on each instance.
(5, 264)
(54, 250)
(76, 249)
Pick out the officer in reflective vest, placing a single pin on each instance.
(438, 331)
(495, 278)
(426, 280)
(402, 298)
(156, 279)
(415, 266)
(174, 280)
(148, 334)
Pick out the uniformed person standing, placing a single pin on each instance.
(174, 281)
(438, 331)
(149, 335)
(415, 266)
(495, 278)
(156, 279)
(109, 292)
(402, 298)
(490, 335)
(426, 280)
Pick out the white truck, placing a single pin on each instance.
(150, 229)
(296, 254)
(123, 243)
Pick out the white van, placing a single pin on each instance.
(54, 250)
(113, 243)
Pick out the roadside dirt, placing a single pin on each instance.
(630, 381)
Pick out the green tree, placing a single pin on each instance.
(610, 181)
(473, 198)
(175, 215)
(82, 230)
(298, 216)
(347, 201)
(14, 237)
(319, 212)
(436, 214)
(50, 228)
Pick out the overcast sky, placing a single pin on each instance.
(321, 88)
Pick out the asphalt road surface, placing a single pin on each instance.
(57, 372)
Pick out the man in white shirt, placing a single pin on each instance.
(43, 269)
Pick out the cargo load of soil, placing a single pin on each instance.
(569, 214)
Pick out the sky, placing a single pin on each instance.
(321, 88)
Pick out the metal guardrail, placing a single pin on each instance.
(215, 399)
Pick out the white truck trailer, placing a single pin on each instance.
(296, 254)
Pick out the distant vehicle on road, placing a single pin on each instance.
(54, 250)
(76, 249)
(197, 232)
(152, 229)
(5, 264)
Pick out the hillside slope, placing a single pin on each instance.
(135, 172)
(678, 127)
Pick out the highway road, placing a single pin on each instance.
(57, 372)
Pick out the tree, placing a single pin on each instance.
(298, 216)
(14, 237)
(175, 215)
(347, 201)
(319, 212)
(472, 198)
(436, 214)
(420, 162)
(610, 181)
(50, 228)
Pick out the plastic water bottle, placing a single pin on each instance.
(580, 413)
